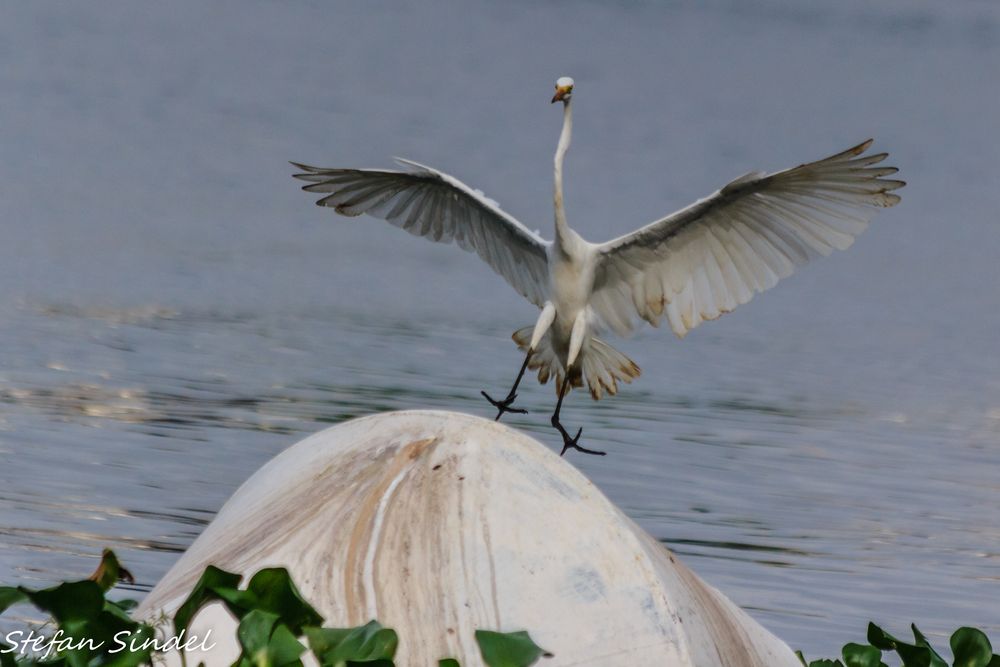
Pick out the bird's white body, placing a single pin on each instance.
(571, 259)
(572, 262)
(689, 267)
(571, 282)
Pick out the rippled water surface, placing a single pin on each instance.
(175, 312)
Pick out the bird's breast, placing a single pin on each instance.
(572, 282)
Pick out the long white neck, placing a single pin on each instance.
(562, 228)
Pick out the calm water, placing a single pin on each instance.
(175, 312)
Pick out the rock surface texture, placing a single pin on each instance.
(438, 523)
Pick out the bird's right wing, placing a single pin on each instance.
(439, 207)
(712, 256)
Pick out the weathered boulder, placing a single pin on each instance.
(437, 524)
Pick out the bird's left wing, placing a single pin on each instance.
(439, 207)
(712, 256)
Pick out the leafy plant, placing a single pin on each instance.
(272, 619)
(90, 629)
(970, 648)
(515, 649)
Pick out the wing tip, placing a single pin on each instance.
(854, 151)
(306, 167)
(888, 200)
(862, 147)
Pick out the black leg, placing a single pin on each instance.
(504, 405)
(569, 442)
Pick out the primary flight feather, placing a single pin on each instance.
(691, 266)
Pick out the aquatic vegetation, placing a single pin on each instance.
(277, 627)
(86, 628)
(969, 646)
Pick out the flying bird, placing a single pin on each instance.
(689, 267)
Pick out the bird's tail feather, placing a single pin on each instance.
(599, 364)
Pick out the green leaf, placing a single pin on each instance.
(206, 590)
(125, 605)
(338, 646)
(861, 655)
(7, 653)
(274, 591)
(69, 602)
(237, 601)
(511, 649)
(254, 631)
(284, 648)
(325, 640)
(270, 590)
(267, 641)
(971, 648)
(936, 660)
(448, 662)
(127, 657)
(114, 610)
(881, 639)
(10, 596)
(913, 656)
(822, 662)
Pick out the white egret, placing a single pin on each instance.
(691, 266)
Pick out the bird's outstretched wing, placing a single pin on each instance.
(712, 256)
(439, 207)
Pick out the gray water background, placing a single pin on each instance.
(174, 312)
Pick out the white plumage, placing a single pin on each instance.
(439, 207)
(691, 266)
(712, 256)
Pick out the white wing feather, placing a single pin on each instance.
(712, 256)
(439, 207)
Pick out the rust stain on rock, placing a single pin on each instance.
(735, 647)
(362, 531)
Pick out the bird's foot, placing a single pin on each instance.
(503, 406)
(574, 442)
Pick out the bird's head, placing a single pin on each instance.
(564, 89)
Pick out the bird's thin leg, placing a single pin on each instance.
(504, 405)
(569, 442)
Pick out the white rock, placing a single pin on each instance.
(438, 523)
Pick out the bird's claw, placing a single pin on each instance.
(504, 405)
(574, 442)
